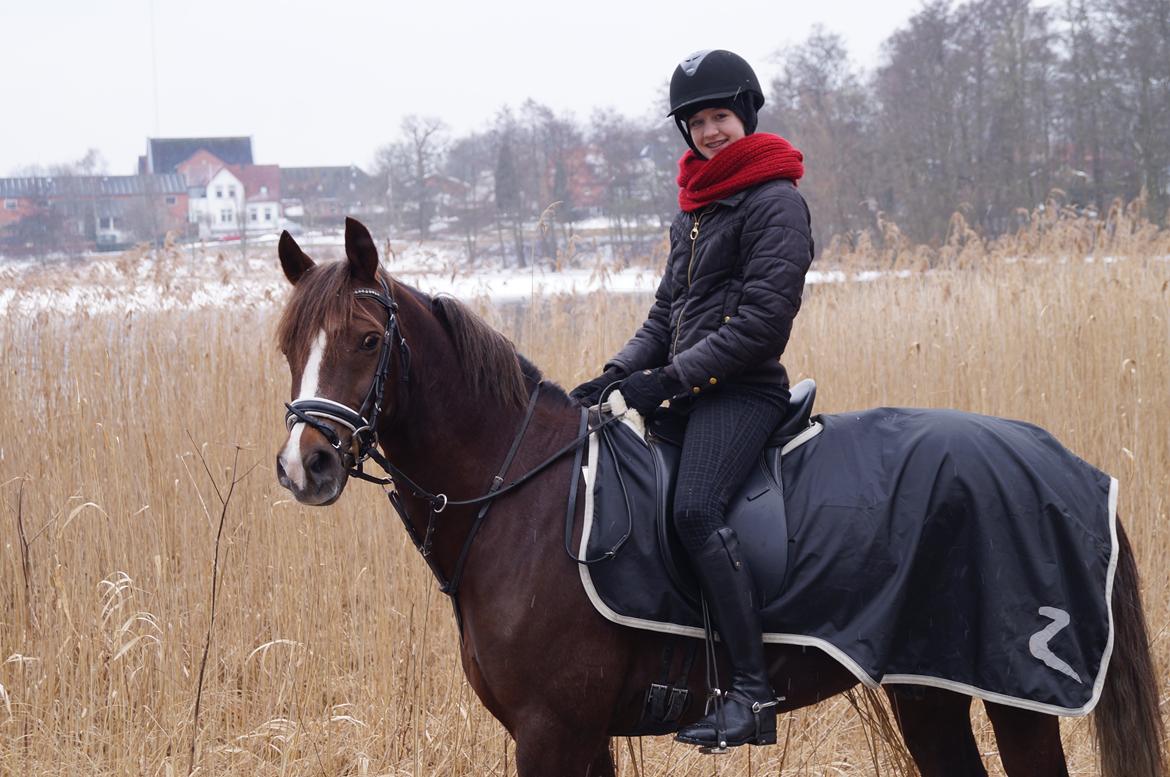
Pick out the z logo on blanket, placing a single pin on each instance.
(1038, 644)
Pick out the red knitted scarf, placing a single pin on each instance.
(746, 162)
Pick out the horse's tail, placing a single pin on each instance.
(1128, 720)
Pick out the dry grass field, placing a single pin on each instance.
(332, 652)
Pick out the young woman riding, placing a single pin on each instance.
(711, 345)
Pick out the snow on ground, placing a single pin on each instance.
(186, 278)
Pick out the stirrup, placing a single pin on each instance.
(756, 708)
(717, 698)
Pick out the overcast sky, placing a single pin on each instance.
(318, 83)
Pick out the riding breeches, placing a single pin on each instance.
(725, 434)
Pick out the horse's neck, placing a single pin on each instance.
(448, 440)
(455, 444)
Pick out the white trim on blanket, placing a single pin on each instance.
(834, 652)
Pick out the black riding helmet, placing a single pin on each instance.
(710, 79)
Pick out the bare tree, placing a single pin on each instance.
(406, 165)
(507, 194)
(821, 106)
(471, 161)
(425, 137)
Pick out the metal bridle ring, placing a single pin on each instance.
(440, 508)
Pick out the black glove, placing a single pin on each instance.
(589, 392)
(644, 391)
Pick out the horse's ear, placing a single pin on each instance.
(361, 252)
(293, 260)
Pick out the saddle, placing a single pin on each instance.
(634, 479)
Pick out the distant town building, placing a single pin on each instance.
(163, 155)
(324, 196)
(215, 196)
(45, 213)
(203, 188)
(229, 200)
(261, 197)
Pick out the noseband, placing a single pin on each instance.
(362, 423)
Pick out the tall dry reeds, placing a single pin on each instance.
(331, 651)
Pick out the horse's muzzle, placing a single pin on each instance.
(311, 469)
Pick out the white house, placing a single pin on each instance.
(222, 209)
(215, 195)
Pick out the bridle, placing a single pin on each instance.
(363, 423)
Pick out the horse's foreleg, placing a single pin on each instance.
(602, 764)
(551, 749)
(936, 725)
(1029, 742)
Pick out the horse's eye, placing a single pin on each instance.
(369, 342)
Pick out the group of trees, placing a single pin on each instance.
(984, 108)
(518, 186)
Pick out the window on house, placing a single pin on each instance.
(106, 222)
(231, 191)
(10, 204)
(172, 199)
(253, 215)
(227, 216)
(268, 214)
(219, 192)
(264, 190)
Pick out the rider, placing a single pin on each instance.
(711, 345)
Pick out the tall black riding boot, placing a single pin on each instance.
(745, 714)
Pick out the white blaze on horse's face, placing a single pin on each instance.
(290, 457)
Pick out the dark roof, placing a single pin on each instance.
(92, 185)
(344, 182)
(163, 154)
(25, 187)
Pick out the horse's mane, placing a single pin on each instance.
(323, 298)
(491, 361)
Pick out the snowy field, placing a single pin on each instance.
(191, 277)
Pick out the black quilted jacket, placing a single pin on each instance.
(733, 284)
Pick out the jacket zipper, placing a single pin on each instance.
(690, 264)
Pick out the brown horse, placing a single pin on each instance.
(445, 396)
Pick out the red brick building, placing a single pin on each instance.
(66, 213)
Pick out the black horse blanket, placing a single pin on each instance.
(928, 547)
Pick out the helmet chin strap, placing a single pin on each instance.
(686, 133)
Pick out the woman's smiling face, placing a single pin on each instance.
(714, 129)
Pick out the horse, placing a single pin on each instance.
(428, 389)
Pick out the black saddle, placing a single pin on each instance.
(756, 513)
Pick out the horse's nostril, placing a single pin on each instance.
(318, 463)
(280, 473)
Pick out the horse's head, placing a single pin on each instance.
(340, 336)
